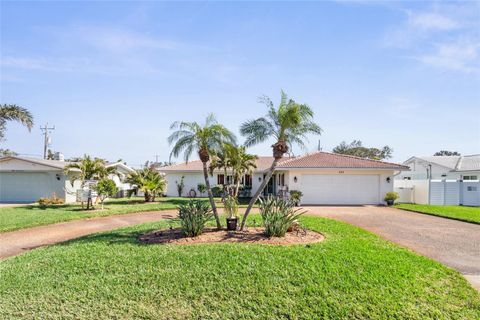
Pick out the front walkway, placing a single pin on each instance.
(16, 242)
(453, 243)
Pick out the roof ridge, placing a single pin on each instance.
(459, 162)
(360, 158)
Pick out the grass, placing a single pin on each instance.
(469, 214)
(353, 274)
(14, 218)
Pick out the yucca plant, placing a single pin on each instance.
(193, 216)
(278, 215)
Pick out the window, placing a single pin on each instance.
(229, 179)
(220, 179)
(470, 177)
(471, 188)
(407, 178)
(247, 180)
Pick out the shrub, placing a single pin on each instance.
(391, 196)
(105, 188)
(180, 186)
(295, 196)
(231, 206)
(201, 188)
(217, 190)
(50, 200)
(278, 215)
(193, 216)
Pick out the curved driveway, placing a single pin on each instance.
(16, 242)
(453, 243)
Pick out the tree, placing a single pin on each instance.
(205, 139)
(446, 153)
(12, 112)
(288, 124)
(356, 148)
(241, 163)
(221, 160)
(7, 153)
(105, 188)
(149, 181)
(88, 169)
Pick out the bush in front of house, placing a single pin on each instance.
(105, 188)
(202, 188)
(278, 215)
(296, 196)
(50, 200)
(217, 190)
(390, 197)
(193, 216)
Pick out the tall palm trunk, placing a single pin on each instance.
(210, 195)
(259, 191)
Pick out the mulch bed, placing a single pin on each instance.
(250, 235)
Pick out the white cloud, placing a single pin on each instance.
(432, 21)
(443, 36)
(461, 56)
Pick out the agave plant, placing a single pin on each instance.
(278, 215)
(193, 216)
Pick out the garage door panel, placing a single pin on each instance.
(28, 187)
(340, 189)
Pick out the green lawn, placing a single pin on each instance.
(33, 215)
(470, 214)
(353, 274)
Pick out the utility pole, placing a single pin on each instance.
(46, 141)
(156, 158)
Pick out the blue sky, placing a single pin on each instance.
(112, 76)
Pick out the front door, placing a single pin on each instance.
(270, 189)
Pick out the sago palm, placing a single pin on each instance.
(190, 137)
(12, 112)
(288, 124)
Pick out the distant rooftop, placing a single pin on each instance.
(455, 163)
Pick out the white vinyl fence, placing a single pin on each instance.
(439, 192)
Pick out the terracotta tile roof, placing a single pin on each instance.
(322, 159)
(263, 163)
(312, 160)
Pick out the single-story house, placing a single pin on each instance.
(24, 179)
(440, 180)
(324, 178)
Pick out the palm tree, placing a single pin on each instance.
(241, 163)
(221, 160)
(12, 112)
(288, 124)
(89, 169)
(205, 139)
(149, 181)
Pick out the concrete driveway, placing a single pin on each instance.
(453, 243)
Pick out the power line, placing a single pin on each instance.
(46, 141)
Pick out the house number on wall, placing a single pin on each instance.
(341, 171)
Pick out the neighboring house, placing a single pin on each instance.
(24, 179)
(322, 177)
(440, 180)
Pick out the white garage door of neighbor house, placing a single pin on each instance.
(340, 189)
(26, 186)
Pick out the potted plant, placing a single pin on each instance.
(390, 198)
(231, 210)
(296, 196)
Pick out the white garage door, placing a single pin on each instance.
(28, 186)
(340, 189)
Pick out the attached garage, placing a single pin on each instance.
(340, 189)
(29, 186)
